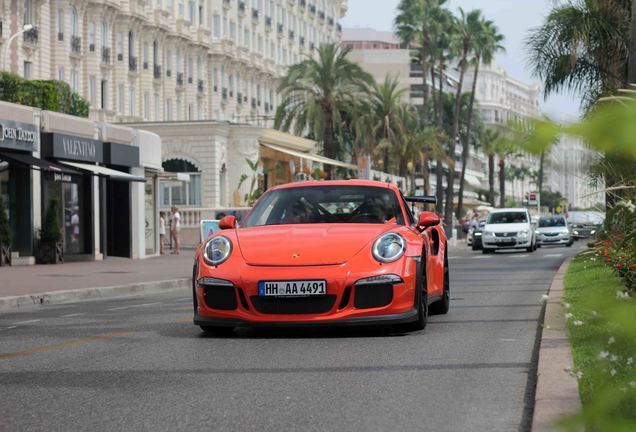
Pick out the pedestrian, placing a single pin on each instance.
(162, 233)
(175, 228)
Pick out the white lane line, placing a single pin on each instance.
(519, 256)
(72, 315)
(188, 298)
(8, 328)
(133, 306)
(553, 256)
(26, 322)
(146, 304)
(453, 257)
(482, 257)
(118, 308)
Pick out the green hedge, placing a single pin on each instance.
(48, 95)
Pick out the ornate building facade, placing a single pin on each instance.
(167, 60)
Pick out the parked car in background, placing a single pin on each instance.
(585, 224)
(476, 235)
(509, 228)
(554, 230)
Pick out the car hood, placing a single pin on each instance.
(506, 228)
(306, 245)
(559, 230)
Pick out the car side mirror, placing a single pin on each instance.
(228, 222)
(428, 219)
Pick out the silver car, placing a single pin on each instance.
(554, 230)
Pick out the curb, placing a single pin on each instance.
(557, 392)
(69, 296)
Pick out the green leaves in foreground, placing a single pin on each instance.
(602, 331)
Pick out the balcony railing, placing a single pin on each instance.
(312, 46)
(120, 57)
(227, 3)
(91, 47)
(254, 103)
(281, 29)
(330, 21)
(189, 80)
(76, 44)
(156, 71)
(312, 9)
(132, 64)
(105, 55)
(239, 98)
(302, 3)
(200, 86)
(268, 22)
(339, 28)
(291, 35)
(241, 7)
(179, 78)
(168, 73)
(60, 36)
(31, 36)
(224, 94)
(301, 41)
(255, 14)
(321, 15)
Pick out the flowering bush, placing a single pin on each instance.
(617, 243)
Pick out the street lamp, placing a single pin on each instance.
(25, 28)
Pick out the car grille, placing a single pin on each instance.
(509, 234)
(550, 234)
(220, 297)
(373, 296)
(293, 306)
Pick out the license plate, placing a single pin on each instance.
(505, 240)
(296, 288)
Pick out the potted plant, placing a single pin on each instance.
(5, 236)
(51, 250)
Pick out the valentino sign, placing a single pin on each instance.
(18, 136)
(76, 148)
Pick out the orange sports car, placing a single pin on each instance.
(324, 253)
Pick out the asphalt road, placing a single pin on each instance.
(139, 364)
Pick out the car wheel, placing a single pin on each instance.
(422, 307)
(530, 249)
(442, 306)
(569, 244)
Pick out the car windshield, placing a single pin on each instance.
(546, 222)
(326, 204)
(507, 217)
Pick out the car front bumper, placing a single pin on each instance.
(490, 243)
(348, 302)
(557, 240)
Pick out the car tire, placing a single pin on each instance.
(422, 307)
(441, 307)
(569, 244)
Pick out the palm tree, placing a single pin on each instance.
(489, 140)
(583, 47)
(488, 41)
(386, 104)
(413, 26)
(316, 91)
(467, 27)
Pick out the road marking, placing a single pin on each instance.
(27, 322)
(453, 257)
(553, 256)
(184, 299)
(146, 304)
(72, 315)
(8, 328)
(69, 344)
(118, 308)
(133, 306)
(519, 256)
(482, 257)
(508, 340)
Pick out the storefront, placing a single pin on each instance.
(149, 145)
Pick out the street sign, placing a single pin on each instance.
(533, 199)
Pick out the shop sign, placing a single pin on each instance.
(62, 178)
(76, 148)
(18, 136)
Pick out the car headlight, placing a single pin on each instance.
(477, 234)
(593, 232)
(488, 233)
(565, 232)
(388, 248)
(523, 233)
(217, 250)
(576, 232)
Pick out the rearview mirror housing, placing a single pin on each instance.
(228, 222)
(428, 219)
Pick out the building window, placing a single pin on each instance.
(190, 70)
(156, 113)
(105, 38)
(60, 24)
(201, 14)
(120, 99)
(178, 109)
(191, 12)
(60, 73)
(199, 112)
(168, 115)
(190, 112)
(91, 90)
(74, 22)
(146, 105)
(120, 46)
(181, 194)
(28, 70)
(28, 12)
(74, 78)
(91, 36)
(181, 10)
(216, 25)
(104, 94)
(131, 100)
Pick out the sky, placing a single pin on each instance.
(514, 18)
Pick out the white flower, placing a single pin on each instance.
(613, 357)
(611, 340)
(630, 361)
(568, 315)
(567, 305)
(545, 298)
(613, 372)
(632, 384)
(603, 355)
(594, 313)
(579, 375)
(578, 323)
(621, 295)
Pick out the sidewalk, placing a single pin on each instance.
(42, 284)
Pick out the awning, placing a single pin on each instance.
(311, 157)
(106, 172)
(30, 161)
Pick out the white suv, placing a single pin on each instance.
(509, 229)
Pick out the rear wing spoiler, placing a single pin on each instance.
(427, 199)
